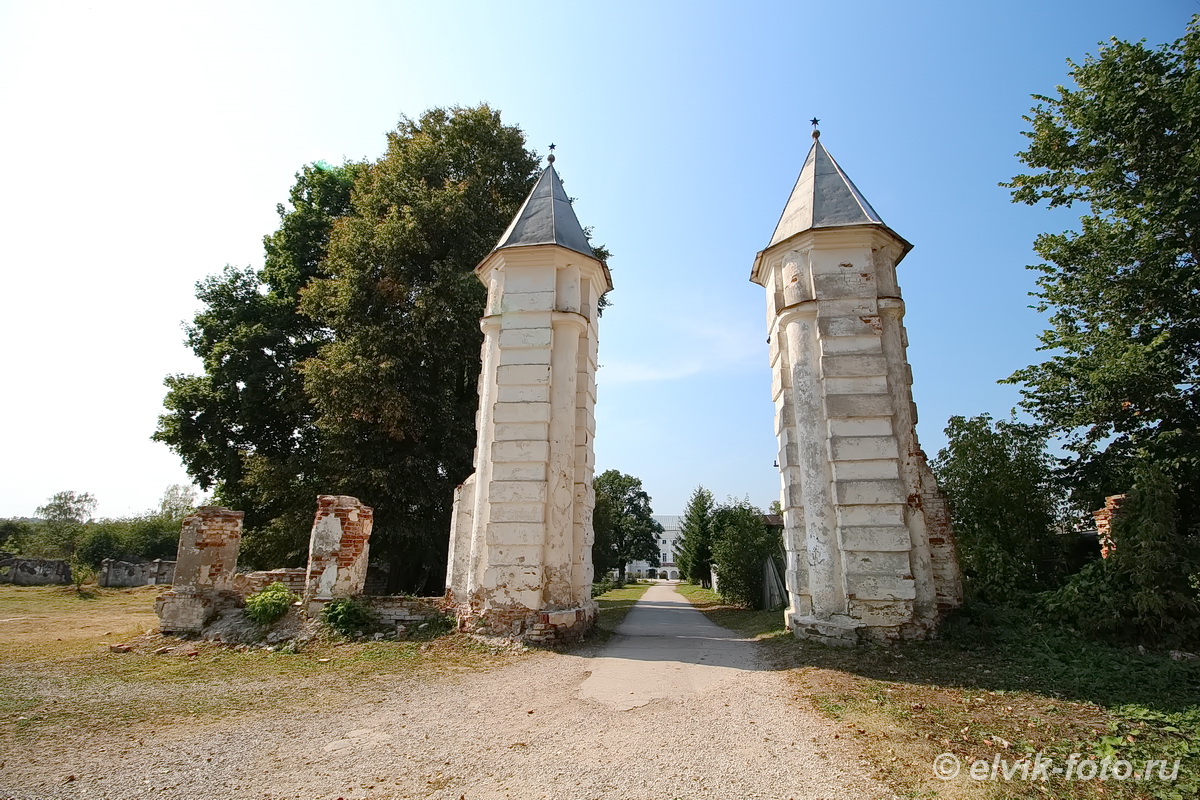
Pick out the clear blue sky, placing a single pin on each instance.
(146, 145)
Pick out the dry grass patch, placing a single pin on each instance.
(1000, 683)
(758, 625)
(57, 621)
(59, 679)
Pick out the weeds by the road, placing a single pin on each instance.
(998, 684)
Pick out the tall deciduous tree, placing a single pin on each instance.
(604, 558)
(695, 543)
(395, 388)
(178, 500)
(245, 426)
(349, 363)
(632, 529)
(1123, 291)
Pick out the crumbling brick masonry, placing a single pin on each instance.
(204, 570)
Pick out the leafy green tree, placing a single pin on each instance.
(141, 538)
(63, 519)
(77, 507)
(178, 501)
(604, 558)
(151, 536)
(1006, 506)
(1146, 589)
(395, 387)
(633, 531)
(742, 544)
(349, 363)
(245, 426)
(14, 532)
(695, 543)
(102, 540)
(1123, 291)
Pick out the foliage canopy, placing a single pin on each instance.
(1123, 292)
(348, 364)
(629, 523)
(1145, 589)
(742, 544)
(1006, 505)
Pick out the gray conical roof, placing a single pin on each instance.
(546, 217)
(824, 197)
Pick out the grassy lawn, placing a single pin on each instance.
(58, 675)
(997, 683)
(615, 604)
(759, 625)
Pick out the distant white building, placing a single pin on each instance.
(668, 544)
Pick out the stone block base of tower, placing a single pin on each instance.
(187, 611)
(531, 625)
(846, 631)
(837, 631)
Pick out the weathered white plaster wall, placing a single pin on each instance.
(854, 482)
(522, 531)
(338, 550)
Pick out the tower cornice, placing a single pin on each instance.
(873, 235)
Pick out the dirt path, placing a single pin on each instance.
(672, 707)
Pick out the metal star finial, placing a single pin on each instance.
(816, 134)
(550, 157)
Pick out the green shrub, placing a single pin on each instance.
(152, 536)
(81, 574)
(98, 542)
(270, 604)
(742, 543)
(606, 585)
(1006, 506)
(1143, 591)
(347, 615)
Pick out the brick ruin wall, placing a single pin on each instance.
(338, 550)
(1104, 520)
(205, 570)
(518, 621)
(943, 552)
(247, 583)
(207, 581)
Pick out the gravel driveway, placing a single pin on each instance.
(671, 707)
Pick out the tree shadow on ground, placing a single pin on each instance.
(1011, 650)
